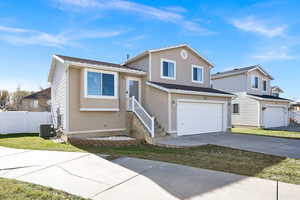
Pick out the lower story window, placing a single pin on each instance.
(236, 109)
(100, 84)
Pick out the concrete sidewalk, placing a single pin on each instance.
(91, 176)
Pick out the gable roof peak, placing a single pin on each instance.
(241, 70)
(147, 52)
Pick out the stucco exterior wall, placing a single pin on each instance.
(156, 104)
(94, 120)
(183, 67)
(142, 64)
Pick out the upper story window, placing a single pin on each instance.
(254, 82)
(100, 84)
(264, 85)
(197, 74)
(168, 69)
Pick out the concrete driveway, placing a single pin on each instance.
(91, 176)
(267, 145)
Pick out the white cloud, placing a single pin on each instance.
(177, 9)
(281, 53)
(251, 24)
(19, 36)
(165, 15)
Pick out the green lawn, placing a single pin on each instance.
(16, 190)
(208, 157)
(271, 133)
(32, 141)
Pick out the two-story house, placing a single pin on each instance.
(168, 87)
(254, 104)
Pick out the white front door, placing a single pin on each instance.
(196, 118)
(275, 117)
(133, 88)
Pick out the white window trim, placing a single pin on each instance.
(199, 67)
(263, 85)
(253, 76)
(161, 69)
(97, 96)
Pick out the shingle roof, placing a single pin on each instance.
(236, 70)
(95, 62)
(240, 71)
(189, 88)
(46, 93)
(268, 97)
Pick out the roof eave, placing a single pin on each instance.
(166, 48)
(177, 91)
(141, 55)
(265, 99)
(105, 67)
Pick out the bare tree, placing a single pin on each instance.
(4, 98)
(18, 95)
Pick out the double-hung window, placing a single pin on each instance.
(197, 74)
(168, 69)
(254, 82)
(100, 84)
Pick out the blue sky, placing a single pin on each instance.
(229, 33)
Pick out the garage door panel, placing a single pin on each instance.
(196, 118)
(275, 117)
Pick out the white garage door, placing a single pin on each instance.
(275, 117)
(196, 118)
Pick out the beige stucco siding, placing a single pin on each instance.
(183, 67)
(249, 111)
(237, 83)
(156, 103)
(175, 97)
(142, 64)
(58, 93)
(261, 77)
(93, 120)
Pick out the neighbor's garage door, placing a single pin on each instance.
(274, 117)
(196, 118)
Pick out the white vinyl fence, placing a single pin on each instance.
(23, 121)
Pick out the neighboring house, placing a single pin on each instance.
(276, 91)
(37, 102)
(295, 106)
(170, 84)
(254, 105)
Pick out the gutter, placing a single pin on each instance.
(176, 91)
